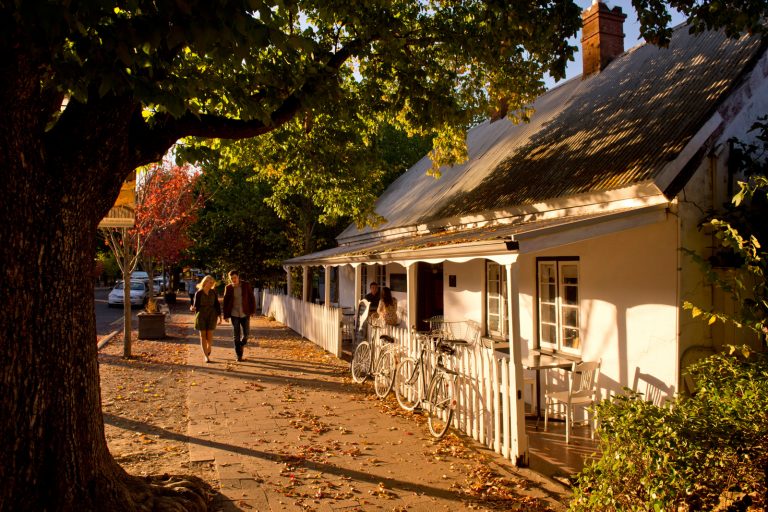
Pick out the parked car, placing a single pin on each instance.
(139, 275)
(139, 294)
(159, 285)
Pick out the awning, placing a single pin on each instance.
(498, 242)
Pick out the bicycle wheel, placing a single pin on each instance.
(442, 401)
(384, 374)
(407, 384)
(361, 362)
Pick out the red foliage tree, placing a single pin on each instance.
(166, 210)
(165, 207)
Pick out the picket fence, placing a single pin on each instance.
(319, 324)
(486, 401)
(485, 397)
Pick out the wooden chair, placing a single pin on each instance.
(582, 390)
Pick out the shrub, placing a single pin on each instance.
(704, 452)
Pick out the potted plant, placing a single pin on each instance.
(151, 322)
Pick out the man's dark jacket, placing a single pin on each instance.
(249, 301)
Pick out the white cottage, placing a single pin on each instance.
(565, 234)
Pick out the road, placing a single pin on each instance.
(109, 319)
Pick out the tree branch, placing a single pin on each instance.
(168, 130)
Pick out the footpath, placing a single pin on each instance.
(287, 429)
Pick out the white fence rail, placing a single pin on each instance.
(319, 324)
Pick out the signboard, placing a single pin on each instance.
(123, 213)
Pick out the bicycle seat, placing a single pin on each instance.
(386, 339)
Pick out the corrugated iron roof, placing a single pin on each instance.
(615, 129)
(619, 130)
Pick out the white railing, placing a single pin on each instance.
(319, 324)
(486, 399)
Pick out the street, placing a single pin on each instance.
(109, 319)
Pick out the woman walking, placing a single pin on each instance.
(207, 313)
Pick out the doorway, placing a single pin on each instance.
(429, 293)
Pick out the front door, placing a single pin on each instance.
(429, 293)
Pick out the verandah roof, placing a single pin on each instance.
(489, 242)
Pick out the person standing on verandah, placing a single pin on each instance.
(373, 297)
(239, 305)
(207, 314)
(387, 309)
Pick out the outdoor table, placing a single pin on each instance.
(539, 361)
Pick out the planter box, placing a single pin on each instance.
(151, 326)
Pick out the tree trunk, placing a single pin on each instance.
(127, 272)
(54, 455)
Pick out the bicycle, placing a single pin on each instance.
(383, 371)
(362, 355)
(439, 393)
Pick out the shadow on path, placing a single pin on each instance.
(356, 475)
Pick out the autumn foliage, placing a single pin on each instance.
(166, 209)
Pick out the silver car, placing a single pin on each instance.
(139, 294)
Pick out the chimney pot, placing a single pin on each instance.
(602, 36)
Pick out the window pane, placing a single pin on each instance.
(547, 272)
(571, 317)
(570, 274)
(571, 295)
(548, 333)
(547, 293)
(571, 338)
(548, 314)
(493, 323)
(493, 305)
(503, 281)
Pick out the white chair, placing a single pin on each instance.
(531, 381)
(582, 389)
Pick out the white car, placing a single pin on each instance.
(159, 285)
(139, 294)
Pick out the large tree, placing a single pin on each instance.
(235, 228)
(91, 90)
(317, 173)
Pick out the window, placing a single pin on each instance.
(496, 300)
(377, 273)
(381, 275)
(363, 280)
(559, 312)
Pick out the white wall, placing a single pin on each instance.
(628, 296)
(465, 301)
(347, 287)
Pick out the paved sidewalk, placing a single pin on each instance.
(287, 429)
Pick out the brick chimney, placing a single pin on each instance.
(602, 36)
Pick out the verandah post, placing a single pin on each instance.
(519, 453)
(327, 296)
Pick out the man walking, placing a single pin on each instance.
(239, 305)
